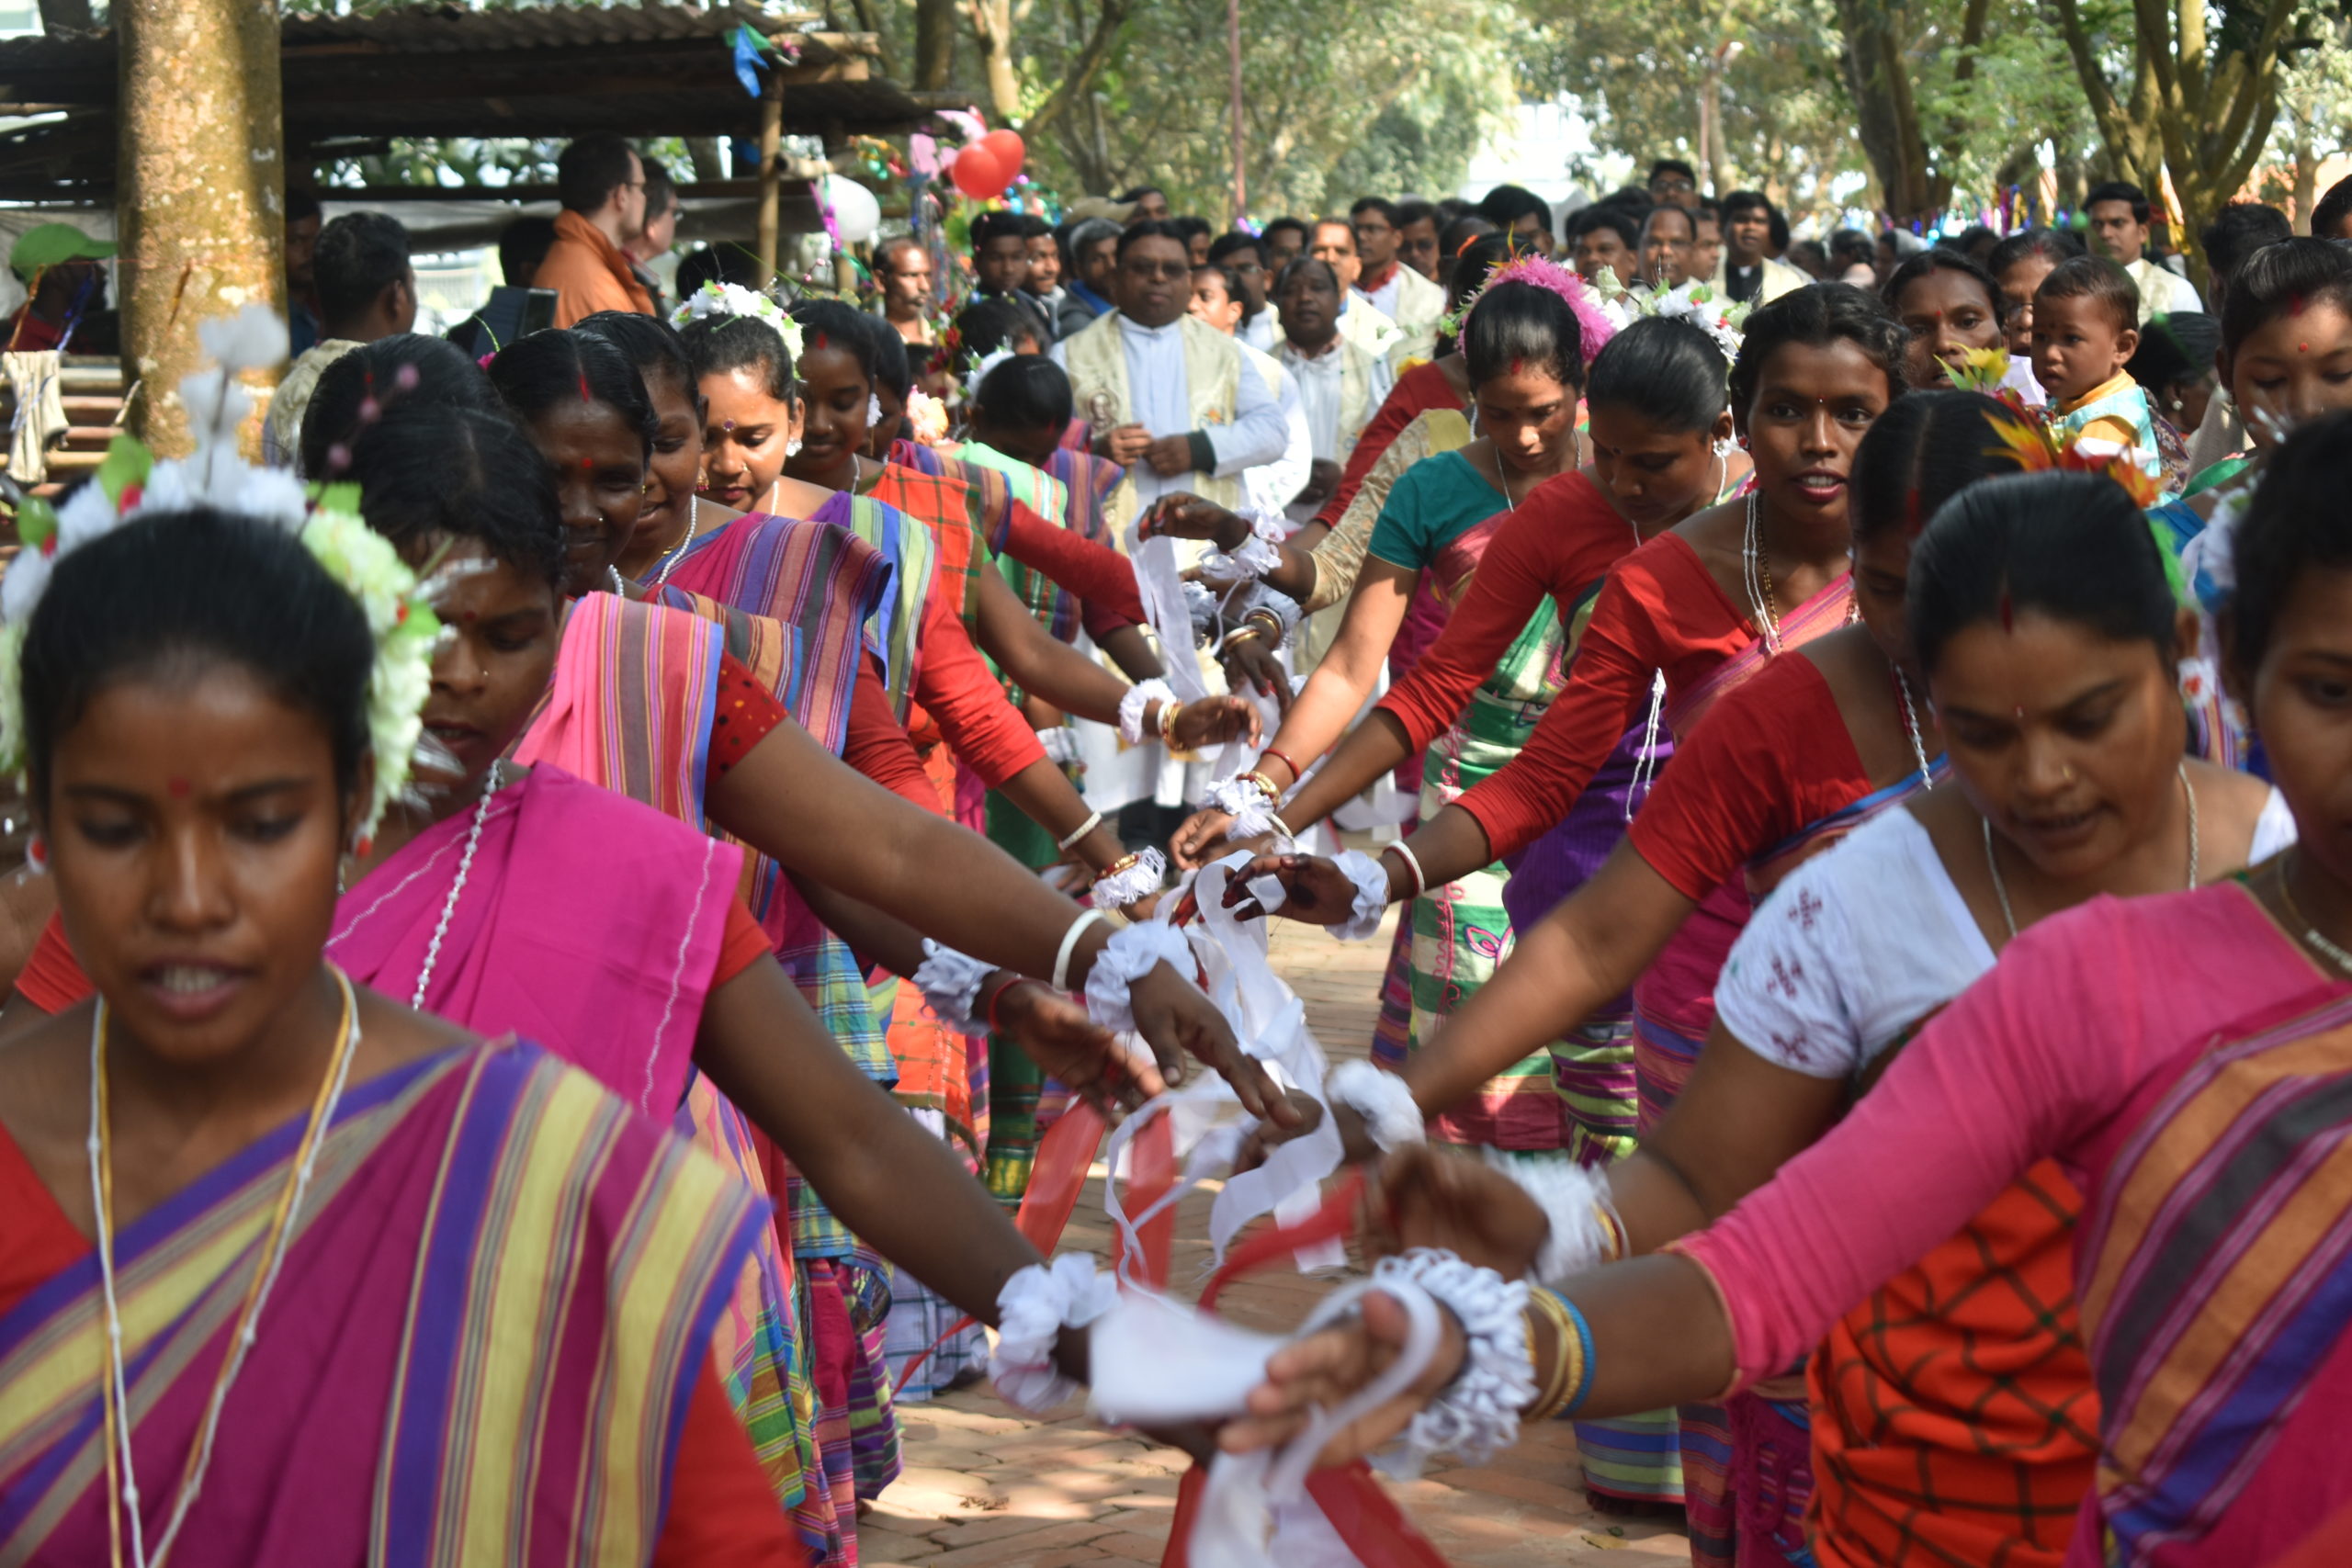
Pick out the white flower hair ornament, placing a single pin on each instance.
(130, 483)
(1719, 316)
(734, 300)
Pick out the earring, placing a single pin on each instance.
(873, 409)
(792, 448)
(1723, 446)
(37, 854)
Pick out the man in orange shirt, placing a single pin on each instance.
(602, 186)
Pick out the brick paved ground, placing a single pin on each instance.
(984, 1485)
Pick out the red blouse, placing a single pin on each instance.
(960, 691)
(877, 744)
(1658, 610)
(1770, 760)
(1562, 539)
(1100, 577)
(747, 713)
(721, 1509)
(1417, 391)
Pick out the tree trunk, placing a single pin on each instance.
(709, 163)
(201, 206)
(992, 27)
(1878, 77)
(934, 44)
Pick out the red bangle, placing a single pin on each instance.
(1296, 772)
(998, 1001)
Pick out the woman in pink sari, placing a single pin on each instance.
(1689, 616)
(2183, 1056)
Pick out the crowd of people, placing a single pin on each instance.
(568, 897)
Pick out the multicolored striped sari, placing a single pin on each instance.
(1747, 1474)
(589, 721)
(480, 1348)
(2216, 1280)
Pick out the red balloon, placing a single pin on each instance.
(1011, 151)
(977, 173)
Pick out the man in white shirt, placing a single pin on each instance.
(1746, 274)
(2119, 219)
(1333, 240)
(1340, 385)
(1385, 282)
(1169, 397)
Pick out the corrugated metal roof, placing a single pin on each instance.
(440, 70)
(43, 68)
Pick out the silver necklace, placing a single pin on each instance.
(613, 575)
(2001, 888)
(449, 906)
(242, 1341)
(1911, 723)
(1757, 576)
(694, 526)
(2335, 954)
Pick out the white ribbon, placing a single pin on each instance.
(1156, 1359)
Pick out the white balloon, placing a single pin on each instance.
(855, 212)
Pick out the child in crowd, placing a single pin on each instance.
(2086, 328)
(2175, 367)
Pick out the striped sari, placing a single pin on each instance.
(1746, 1475)
(2215, 1261)
(660, 718)
(405, 1402)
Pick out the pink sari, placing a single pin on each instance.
(587, 922)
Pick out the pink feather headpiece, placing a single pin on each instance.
(1594, 326)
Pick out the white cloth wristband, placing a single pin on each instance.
(1372, 895)
(1476, 1415)
(1253, 558)
(1062, 746)
(1131, 705)
(1117, 889)
(1127, 958)
(1572, 1197)
(1033, 1309)
(1243, 801)
(1382, 1100)
(1070, 945)
(950, 981)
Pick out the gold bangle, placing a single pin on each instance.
(1116, 867)
(1545, 1304)
(1169, 711)
(1265, 785)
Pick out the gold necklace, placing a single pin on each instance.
(122, 1485)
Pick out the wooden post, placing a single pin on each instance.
(200, 209)
(771, 144)
(1240, 167)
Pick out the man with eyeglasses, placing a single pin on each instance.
(1176, 401)
(1385, 284)
(1417, 223)
(600, 184)
(1674, 183)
